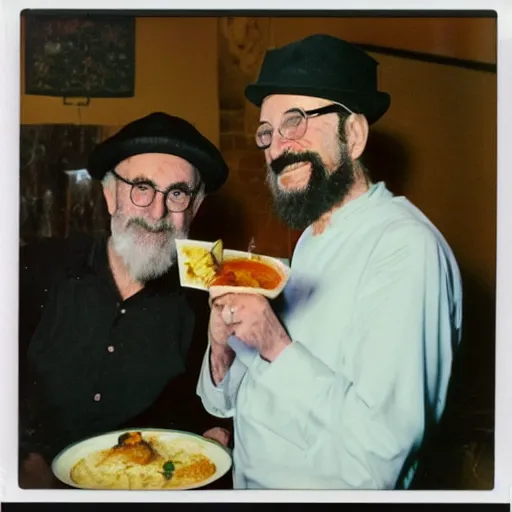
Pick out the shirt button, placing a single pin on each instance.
(123, 311)
(111, 348)
(97, 397)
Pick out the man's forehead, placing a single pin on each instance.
(149, 163)
(277, 104)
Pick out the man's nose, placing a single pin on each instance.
(158, 208)
(278, 146)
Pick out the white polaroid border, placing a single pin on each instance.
(9, 235)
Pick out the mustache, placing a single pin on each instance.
(159, 227)
(282, 161)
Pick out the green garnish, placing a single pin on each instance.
(168, 469)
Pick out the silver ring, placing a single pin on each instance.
(232, 311)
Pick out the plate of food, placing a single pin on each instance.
(142, 459)
(208, 266)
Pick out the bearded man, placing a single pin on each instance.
(108, 324)
(340, 388)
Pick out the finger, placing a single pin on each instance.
(215, 430)
(218, 434)
(217, 307)
(228, 314)
(218, 301)
(244, 335)
(216, 293)
(222, 300)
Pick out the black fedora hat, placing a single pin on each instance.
(161, 133)
(326, 67)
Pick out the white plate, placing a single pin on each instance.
(190, 282)
(67, 458)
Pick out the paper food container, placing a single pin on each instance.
(191, 251)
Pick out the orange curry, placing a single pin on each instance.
(247, 273)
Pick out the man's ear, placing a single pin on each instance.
(356, 134)
(197, 202)
(109, 192)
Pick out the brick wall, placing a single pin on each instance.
(242, 44)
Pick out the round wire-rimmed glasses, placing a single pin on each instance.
(177, 197)
(294, 123)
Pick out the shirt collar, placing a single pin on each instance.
(375, 192)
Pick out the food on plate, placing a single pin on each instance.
(213, 268)
(141, 463)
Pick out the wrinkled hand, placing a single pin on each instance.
(251, 319)
(218, 330)
(219, 434)
(221, 356)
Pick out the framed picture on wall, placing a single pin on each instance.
(91, 56)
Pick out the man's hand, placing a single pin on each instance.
(218, 329)
(251, 319)
(221, 356)
(219, 434)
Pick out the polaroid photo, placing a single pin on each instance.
(368, 150)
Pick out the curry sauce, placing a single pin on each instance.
(247, 273)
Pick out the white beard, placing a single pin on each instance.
(147, 255)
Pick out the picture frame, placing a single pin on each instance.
(79, 56)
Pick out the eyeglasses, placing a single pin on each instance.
(177, 197)
(294, 123)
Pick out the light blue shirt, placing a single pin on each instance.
(374, 309)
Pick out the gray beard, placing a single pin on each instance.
(146, 256)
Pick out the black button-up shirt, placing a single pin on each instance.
(94, 360)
